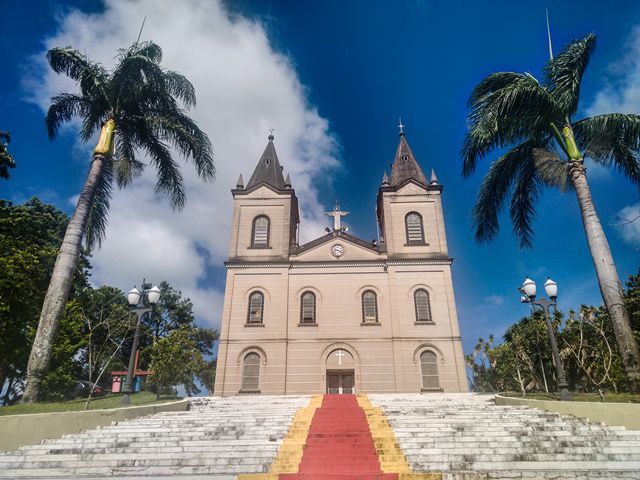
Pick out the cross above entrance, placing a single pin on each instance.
(340, 354)
(336, 214)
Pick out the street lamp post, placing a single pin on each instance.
(138, 302)
(551, 288)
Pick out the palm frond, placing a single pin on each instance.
(170, 182)
(183, 133)
(563, 74)
(526, 191)
(63, 108)
(612, 139)
(6, 159)
(92, 77)
(125, 165)
(99, 212)
(494, 190)
(519, 109)
(552, 170)
(178, 86)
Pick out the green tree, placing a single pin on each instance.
(137, 103)
(6, 160)
(176, 360)
(106, 324)
(30, 235)
(546, 146)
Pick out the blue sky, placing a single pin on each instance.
(332, 77)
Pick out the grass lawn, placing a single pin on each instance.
(581, 397)
(109, 401)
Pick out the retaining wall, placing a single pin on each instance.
(625, 414)
(18, 430)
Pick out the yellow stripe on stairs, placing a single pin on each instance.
(390, 456)
(290, 453)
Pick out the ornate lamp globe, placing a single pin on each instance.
(529, 287)
(153, 295)
(133, 297)
(551, 288)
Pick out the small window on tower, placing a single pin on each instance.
(260, 233)
(369, 307)
(422, 306)
(255, 310)
(405, 157)
(308, 308)
(415, 231)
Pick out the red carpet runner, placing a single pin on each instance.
(339, 444)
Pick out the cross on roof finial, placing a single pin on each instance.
(401, 126)
(271, 130)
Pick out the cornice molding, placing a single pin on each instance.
(338, 263)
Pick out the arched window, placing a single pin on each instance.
(251, 373)
(260, 232)
(256, 307)
(429, 367)
(423, 305)
(415, 231)
(308, 308)
(369, 307)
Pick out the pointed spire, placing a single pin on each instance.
(405, 165)
(268, 169)
(287, 182)
(240, 182)
(434, 179)
(385, 179)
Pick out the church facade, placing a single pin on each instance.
(339, 314)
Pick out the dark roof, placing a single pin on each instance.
(268, 169)
(405, 165)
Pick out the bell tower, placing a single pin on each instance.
(265, 212)
(409, 209)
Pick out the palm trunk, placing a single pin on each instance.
(608, 280)
(60, 284)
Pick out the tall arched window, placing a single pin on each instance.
(251, 373)
(369, 307)
(429, 367)
(415, 230)
(308, 308)
(256, 307)
(423, 305)
(260, 232)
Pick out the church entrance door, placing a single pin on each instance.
(340, 381)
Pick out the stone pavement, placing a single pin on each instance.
(410, 436)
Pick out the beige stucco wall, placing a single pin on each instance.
(624, 414)
(387, 354)
(18, 430)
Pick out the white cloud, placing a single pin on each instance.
(629, 224)
(621, 91)
(243, 88)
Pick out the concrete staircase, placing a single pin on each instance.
(466, 436)
(468, 432)
(217, 439)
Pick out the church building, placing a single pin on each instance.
(339, 314)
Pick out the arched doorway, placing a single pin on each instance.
(340, 372)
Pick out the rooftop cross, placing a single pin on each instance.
(400, 125)
(271, 130)
(336, 214)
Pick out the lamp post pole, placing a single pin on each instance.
(551, 288)
(138, 302)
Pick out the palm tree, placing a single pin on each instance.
(137, 103)
(6, 160)
(546, 146)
